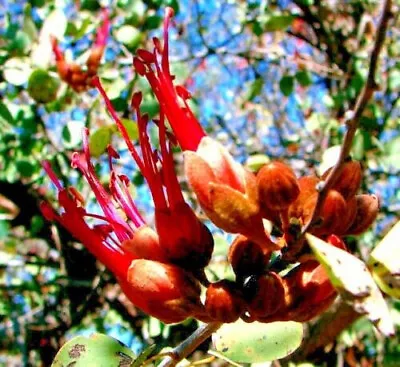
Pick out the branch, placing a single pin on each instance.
(353, 122)
(190, 344)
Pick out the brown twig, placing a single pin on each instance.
(353, 122)
(190, 344)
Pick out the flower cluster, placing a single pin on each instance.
(161, 269)
(77, 77)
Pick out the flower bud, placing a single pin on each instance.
(311, 291)
(270, 296)
(247, 257)
(164, 291)
(277, 186)
(367, 211)
(349, 216)
(307, 186)
(333, 211)
(226, 191)
(349, 180)
(224, 302)
(145, 244)
(186, 241)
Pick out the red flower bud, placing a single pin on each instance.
(310, 289)
(349, 180)
(224, 302)
(247, 257)
(186, 241)
(270, 298)
(226, 191)
(332, 214)
(145, 244)
(307, 186)
(164, 291)
(367, 211)
(277, 186)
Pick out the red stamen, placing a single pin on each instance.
(104, 30)
(53, 177)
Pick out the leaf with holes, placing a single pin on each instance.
(99, 350)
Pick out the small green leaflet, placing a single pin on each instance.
(354, 282)
(384, 262)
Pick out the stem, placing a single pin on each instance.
(190, 344)
(353, 122)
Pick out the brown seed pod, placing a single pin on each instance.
(349, 180)
(277, 186)
(367, 211)
(246, 257)
(224, 302)
(270, 297)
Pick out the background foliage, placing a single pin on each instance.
(270, 79)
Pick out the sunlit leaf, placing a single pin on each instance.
(384, 262)
(354, 282)
(257, 342)
(17, 70)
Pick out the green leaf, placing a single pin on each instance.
(16, 71)
(99, 140)
(42, 87)
(286, 85)
(129, 36)
(391, 153)
(99, 350)
(304, 77)
(255, 89)
(394, 79)
(6, 114)
(277, 22)
(354, 282)
(131, 128)
(256, 161)
(25, 168)
(257, 342)
(384, 262)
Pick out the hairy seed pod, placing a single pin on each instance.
(367, 211)
(349, 180)
(277, 186)
(246, 257)
(224, 302)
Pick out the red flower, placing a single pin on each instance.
(72, 73)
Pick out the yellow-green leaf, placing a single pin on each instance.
(354, 282)
(384, 262)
